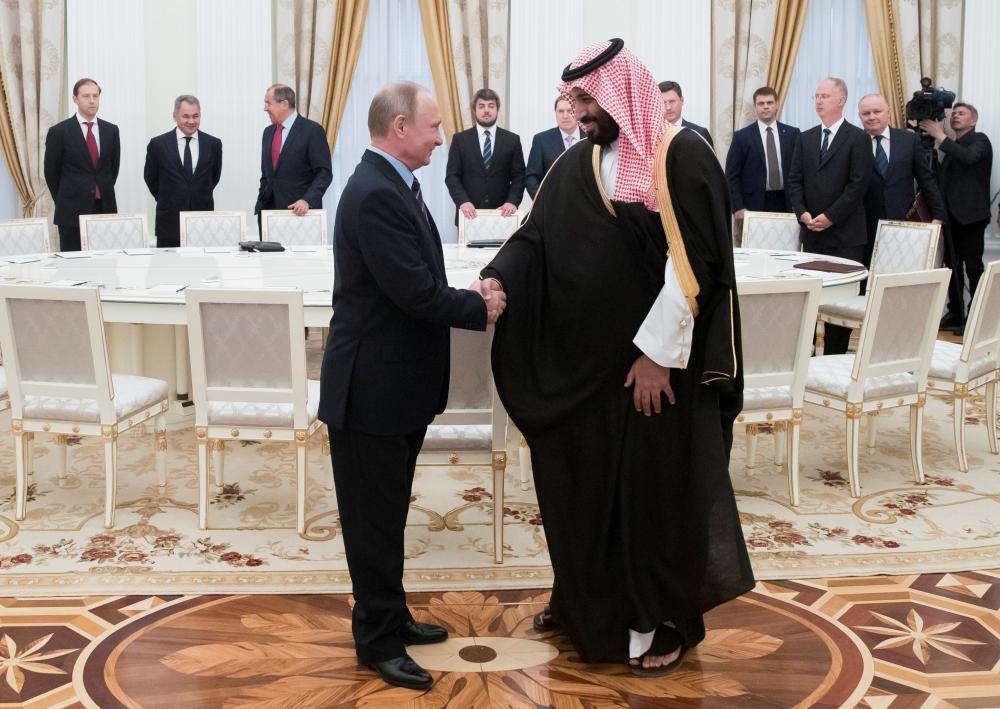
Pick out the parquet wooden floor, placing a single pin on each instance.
(882, 642)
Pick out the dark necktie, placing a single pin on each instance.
(881, 159)
(773, 174)
(188, 163)
(487, 150)
(826, 143)
(276, 145)
(420, 199)
(94, 153)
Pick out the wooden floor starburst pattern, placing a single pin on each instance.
(882, 642)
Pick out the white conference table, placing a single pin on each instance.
(146, 287)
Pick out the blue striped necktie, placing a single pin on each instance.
(487, 150)
(881, 159)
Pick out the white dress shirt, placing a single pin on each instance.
(577, 137)
(482, 137)
(83, 127)
(833, 133)
(665, 334)
(194, 147)
(762, 127)
(287, 124)
(886, 141)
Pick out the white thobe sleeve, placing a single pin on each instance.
(665, 334)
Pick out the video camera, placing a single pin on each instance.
(929, 103)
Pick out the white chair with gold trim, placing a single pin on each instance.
(473, 428)
(488, 225)
(56, 363)
(891, 365)
(961, 369)
(266, 397)
(776, 319)
(100, 232)
(213, 228)
(900, 247)
(771, 230)
(24, 236)
(283, 226)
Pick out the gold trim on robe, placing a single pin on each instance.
(596, 159)
(675, 242)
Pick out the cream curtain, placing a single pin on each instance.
(741, 52)
(303, 31)
(480, 30)
(789, 21)
(434, 16)
(31, 78)
(348, 31)
(883, 29)
(931, 42)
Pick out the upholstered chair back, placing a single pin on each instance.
(488, 225)
(212, 228)
(99, 232)
(284, 227)
(982, 332)
(24, 236)
(771, 230)
(905, 246)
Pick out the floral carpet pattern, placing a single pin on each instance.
(950, 522)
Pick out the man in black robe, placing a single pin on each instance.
(600, 328)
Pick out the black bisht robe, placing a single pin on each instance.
(639, 512)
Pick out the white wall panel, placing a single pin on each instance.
(979, 82)
(234, 69)
(112, 53)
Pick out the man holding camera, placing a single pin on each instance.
(965, 184)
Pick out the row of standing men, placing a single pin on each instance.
(838, 179)
(183, 166)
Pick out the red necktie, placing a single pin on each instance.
(92, 149)
(276, 145)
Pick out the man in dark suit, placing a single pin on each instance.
(386, 366)
(183, 167)
(899, 159)
(759, 159)
(82, 155)
(673, 104)
(826, 185)
(295, 167)
(965, 183)
(485, 164)
(550, 144)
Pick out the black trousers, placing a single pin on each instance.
(69, 234)
(963, 252)
(374, 475)
(837, 337)
(774, 201)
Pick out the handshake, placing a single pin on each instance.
(492, 293)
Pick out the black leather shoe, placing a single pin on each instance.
(543, 622)
(414, 633)
(403, 672)
(951, 321)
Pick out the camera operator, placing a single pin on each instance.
(965, 184)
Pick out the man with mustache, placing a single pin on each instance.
(618, 357)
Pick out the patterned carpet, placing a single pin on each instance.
(949, 523)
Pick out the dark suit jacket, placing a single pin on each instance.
(72, 178)
(746, 166)
(965, 176)
(387, 360)
(304, 170)
(834, 186)
(892, 197)
(176, 190)
(467, 178)
(700, 130)
(545, 148)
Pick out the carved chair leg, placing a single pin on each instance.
(958, 412)
(499, 471)
(917, 440)
(301, 471)
(21, 464)
(853, 433)
(219, 462)
(524, 462)
(203, 483)
(61, 451)
(793, 462)
(872, 431)
(160, 443)
(110, 480)
(991, 416)
(751, 446)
